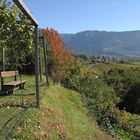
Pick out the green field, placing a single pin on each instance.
(100, 68)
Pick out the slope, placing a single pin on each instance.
(62, 115)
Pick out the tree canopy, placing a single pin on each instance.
(17, 32)
(60, 56)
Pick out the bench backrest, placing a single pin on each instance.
(8, 73)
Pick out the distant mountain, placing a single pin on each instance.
(119, 44)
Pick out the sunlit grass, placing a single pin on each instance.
(61, 115)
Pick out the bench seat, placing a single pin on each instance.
(12, 86)
(14, 83)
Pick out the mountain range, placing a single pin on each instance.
(116, 44)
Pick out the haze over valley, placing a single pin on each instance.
(94, 42)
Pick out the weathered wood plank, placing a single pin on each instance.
(8, 73)
(14, 83)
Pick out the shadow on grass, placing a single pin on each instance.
(8, 106)
(16, 119)
(30, 94)
(5, 93)
(8, 128)
(18, 100)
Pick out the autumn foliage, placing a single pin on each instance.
(60, 56)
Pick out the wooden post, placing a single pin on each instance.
(40, 68)
(3, 59)
(3, 65)
(36, 67)
(45, 60)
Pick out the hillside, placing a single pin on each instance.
(62, 116)
(120, 44)
(101, 68)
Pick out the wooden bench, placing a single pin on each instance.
(11, 86)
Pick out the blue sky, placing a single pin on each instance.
(71, 16)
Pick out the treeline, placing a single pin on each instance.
(126, 84)
(102, 59)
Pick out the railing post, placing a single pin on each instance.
(37, 68)
(3, 66)
(45, 59)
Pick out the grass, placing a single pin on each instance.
(11, 109)
(100, 68)
(62, 116)
(72, 116)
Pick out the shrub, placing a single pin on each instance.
(102, 96)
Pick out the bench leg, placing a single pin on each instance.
(22, 86)
(10, 92)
